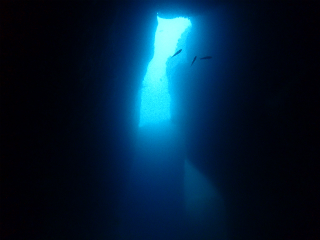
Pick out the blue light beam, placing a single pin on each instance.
(155, 98)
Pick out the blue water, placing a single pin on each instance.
(166, 196)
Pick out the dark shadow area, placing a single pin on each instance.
(153, 201)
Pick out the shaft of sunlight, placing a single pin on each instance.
(155, 98)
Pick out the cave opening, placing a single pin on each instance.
(165, 190)
(155, 98)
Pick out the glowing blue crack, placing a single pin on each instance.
(155, 98)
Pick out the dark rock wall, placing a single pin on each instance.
(69, 79)
(251, 114)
